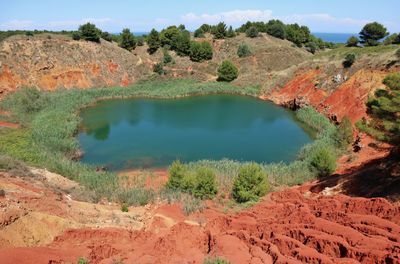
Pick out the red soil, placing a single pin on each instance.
(9, 125)
(348, 99)
(287, 227)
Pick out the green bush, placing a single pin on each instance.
(169, 36)
(352, 41)
(135, 196)
(89, 32)
(384, 109)
(243, 50)
(205, 186)
(25, 103)
(76, 35)
(198, 33)
(227, 72)
(276, 28)
(200, 51)
(124, 208)
(219, 31)
(167, 58)
(230, 33)
(311, 47)
(201, 183)
(183, 43)
(250, 183)
(159, 68)
(372, 33)
(392, 39)
(128, 40)
(252, 32)
(82, 260)
(323, 160)
(153, 41)
(177, 172)
(349, 60)
(106, 36)
(344, 133)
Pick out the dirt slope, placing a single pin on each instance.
(41, 222)
(50, 62)
(291, 226)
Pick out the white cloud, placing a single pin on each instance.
(17, 24)
(315, 19)
(230, 17)
(321, 22)
(68, 23)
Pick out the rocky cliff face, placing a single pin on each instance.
(58, 62)
(51, 62)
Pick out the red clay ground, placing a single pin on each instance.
(312, 223)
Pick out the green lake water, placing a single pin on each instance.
(150, 133)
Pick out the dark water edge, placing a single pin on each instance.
(149, 133)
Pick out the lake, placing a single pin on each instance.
(149, 133)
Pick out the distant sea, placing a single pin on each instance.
(334, 37)
(329, 37)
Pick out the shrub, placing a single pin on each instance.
(311, 47)
(89, 32)
(219, 31)
(124, 208)
(276, 29)
(392, 39)
(230, 33)
(216, 260)
(243, 50)
(372, 33)
(106, 36)
(205, 186)
(200, 51)
(191, 204)
(82, 260)
(344, 133)
(167, 58)
(182, 45)
(198, 33)
(349, 60)
(128, 41)
(177, 172)
(398, 53)
(323, 160)
(227, 72)
(297, 34)
(385, 108)
(76, 35)
(153, 41)
(135, 196)
(169, 36)
(352, 41)
(201, 183)
(250, 183)
(252, 32)
(158, 68)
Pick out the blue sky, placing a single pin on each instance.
(347, 16)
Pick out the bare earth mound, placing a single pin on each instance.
(291, 226)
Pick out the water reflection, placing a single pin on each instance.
(149, 132)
